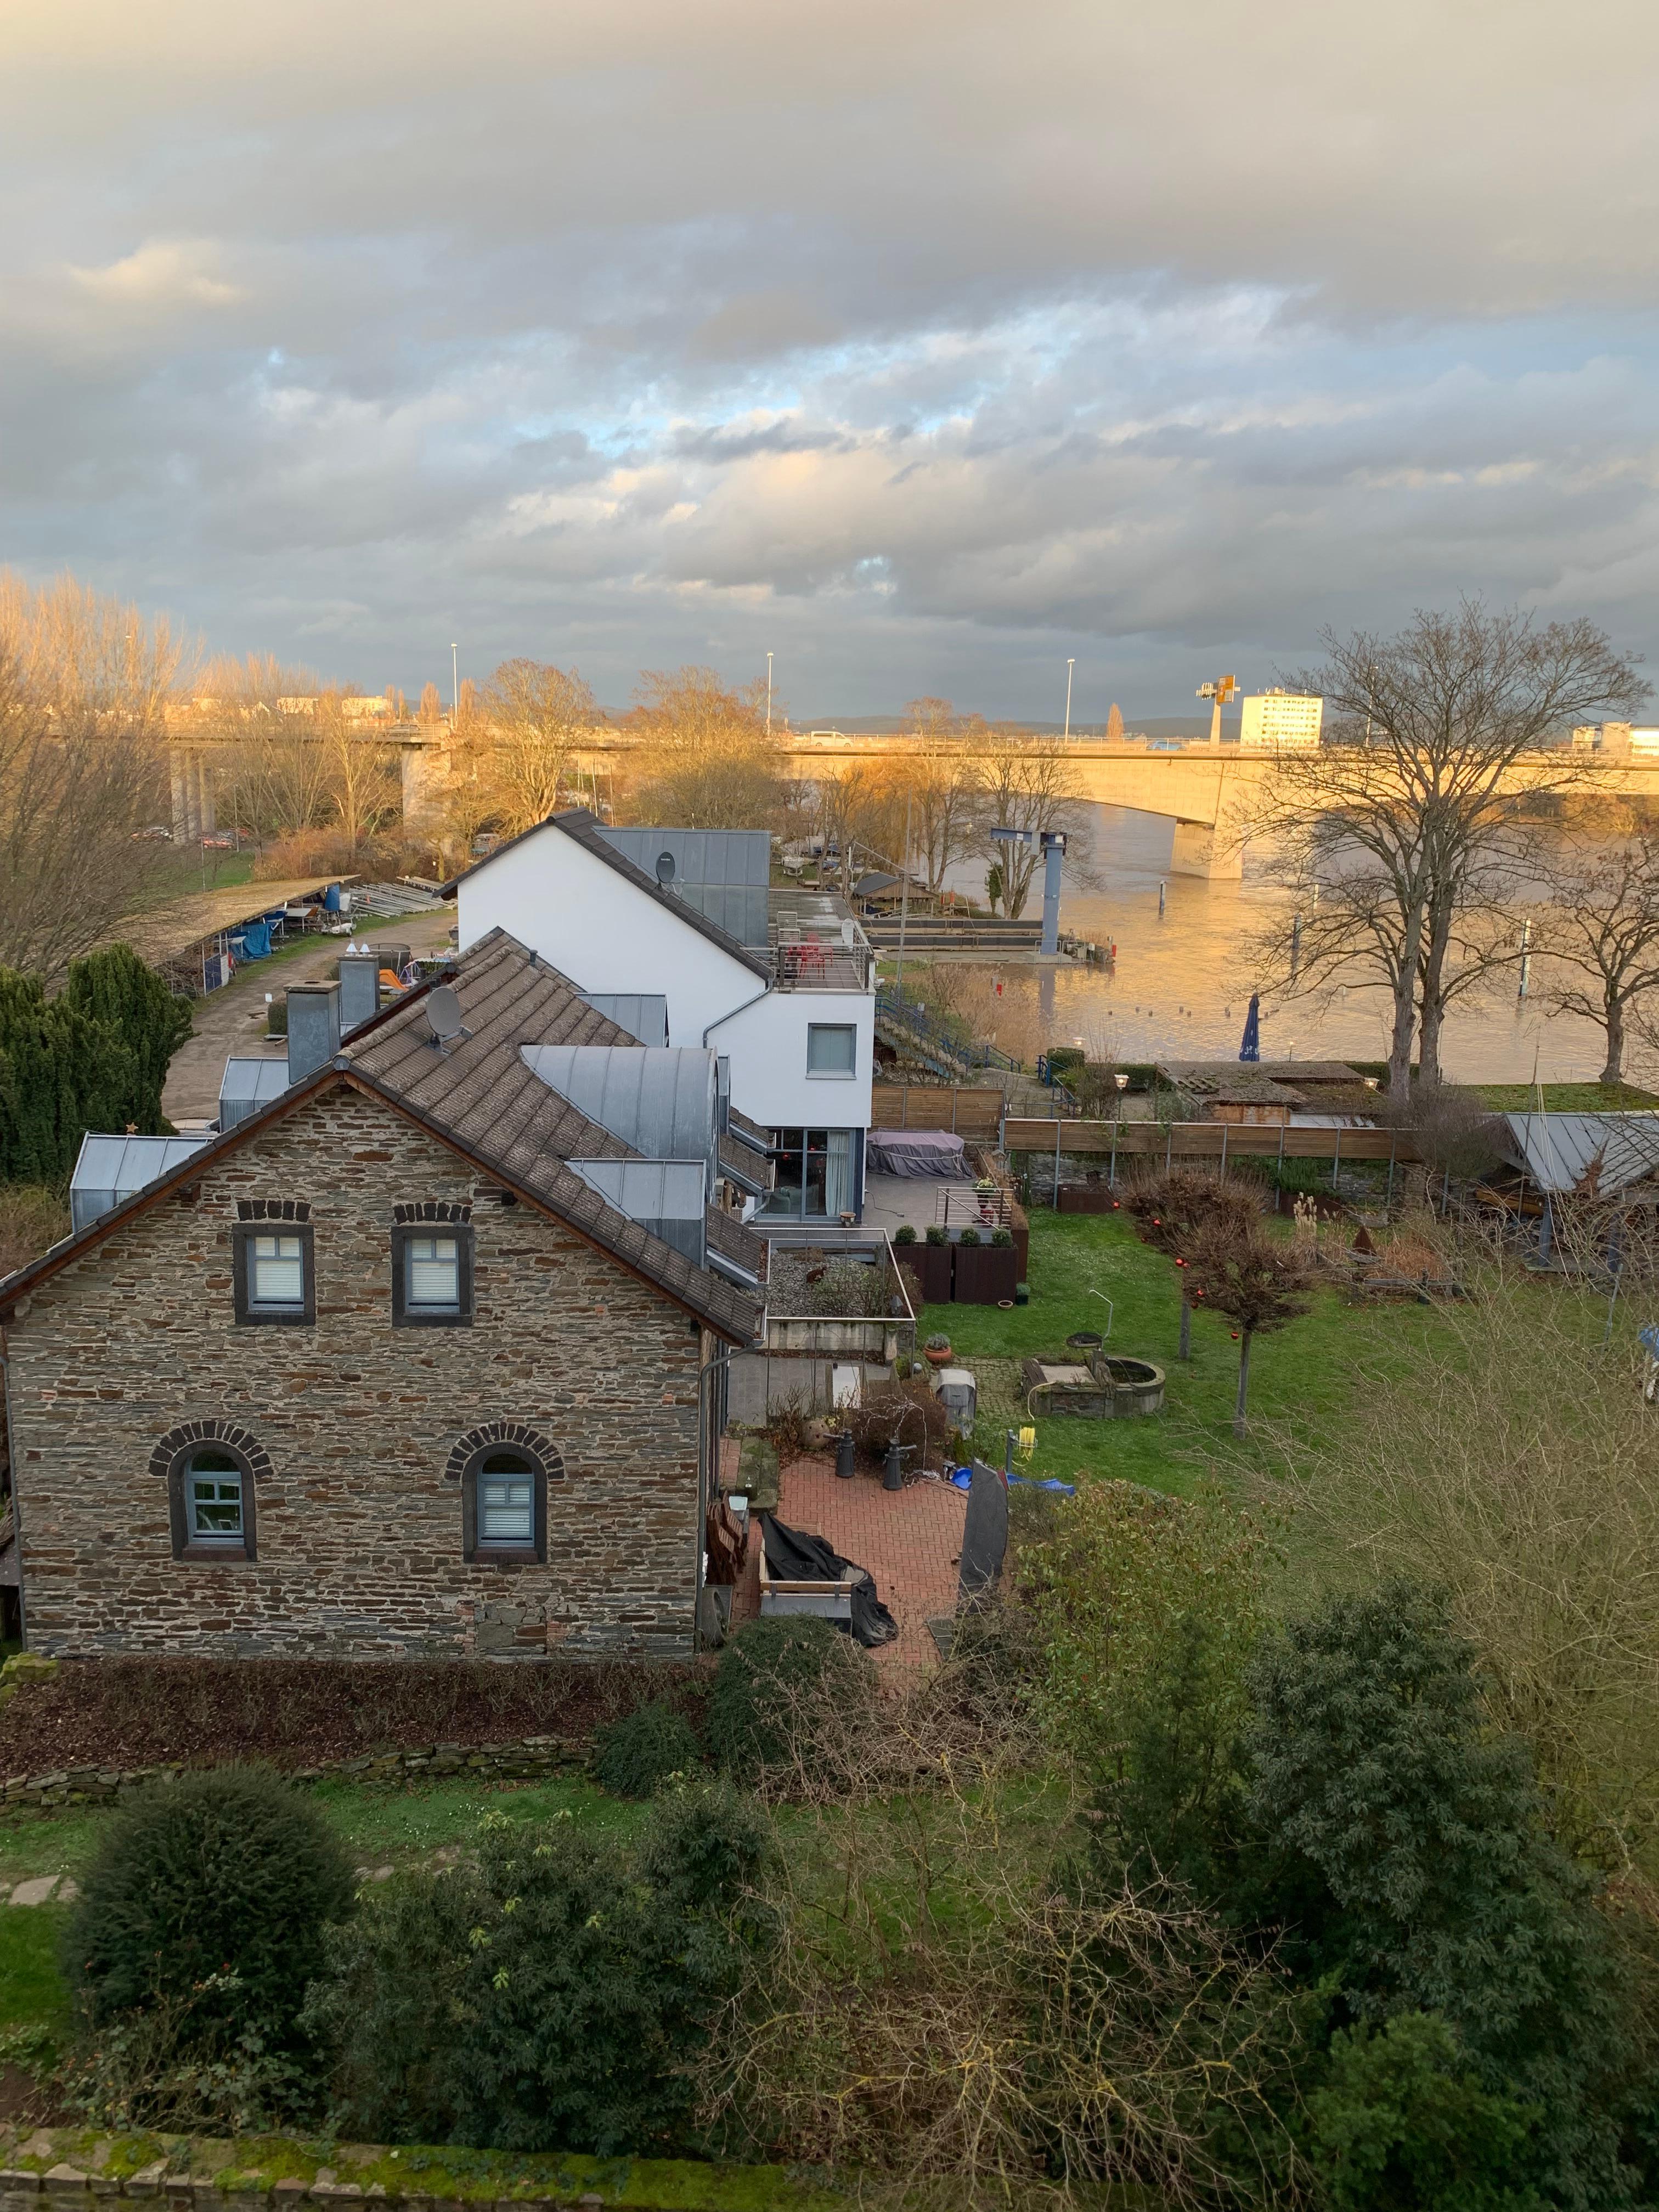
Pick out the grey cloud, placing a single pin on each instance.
(900, 340)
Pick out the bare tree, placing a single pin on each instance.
(713, 765)
(942, 775)
(362, 789)
(1409, 811)
(1026, 783)
(537, 716)
(1600, 932)
(84, 688)
(1115, 724)
(1237, 1269)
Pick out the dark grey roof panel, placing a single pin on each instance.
(643, 1014)
(660, 1104)
(722, 873)
(647, 1190)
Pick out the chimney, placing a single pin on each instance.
(313, 1028)
(359, 989)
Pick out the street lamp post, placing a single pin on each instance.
(455, 682)
(1070, 666)
(769, 694)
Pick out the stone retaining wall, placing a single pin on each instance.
(530, 1758)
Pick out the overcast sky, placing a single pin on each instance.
(924, 344)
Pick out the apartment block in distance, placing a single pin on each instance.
(1280, 722)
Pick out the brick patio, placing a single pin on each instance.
(910, 1541)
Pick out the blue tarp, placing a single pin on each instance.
(253, 941)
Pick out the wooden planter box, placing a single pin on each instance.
(985, 1273)
(932, 1263)
(1084, 1198)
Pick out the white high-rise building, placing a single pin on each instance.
(1280, 722)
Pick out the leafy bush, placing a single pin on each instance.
(1110, 1579)
(770, 1677)
(635, 1754)
(557, 1995)
(904, 1234)
(199, 1924)
(1401, 2121)
(115, 988)
(1406, 1846)
(934, 1233)
(968, 1236)
(1003, 1239)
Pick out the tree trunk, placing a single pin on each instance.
(1613, 1022)
(1405, 1010)
(1434, 1005)
(1186, 1321)
(1244, 1383)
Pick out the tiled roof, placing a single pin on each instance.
(481, 1097)
(480, 1094)
(581, 826)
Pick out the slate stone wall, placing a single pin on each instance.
(358, 1511)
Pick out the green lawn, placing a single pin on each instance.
(32, 1992)
(1301, 1376)
(1565, 1097)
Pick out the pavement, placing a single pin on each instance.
(910, 1539)
(232, 1021)
(891, 1200)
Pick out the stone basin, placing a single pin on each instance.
(1114, 1388)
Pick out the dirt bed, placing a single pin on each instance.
(293, 1713)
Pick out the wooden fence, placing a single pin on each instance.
(1205, 1141)
(975, 1115)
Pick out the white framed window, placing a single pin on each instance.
(507, 1501)
(832, 1048)
(432, 1275)
(433, 1272)
(276, 1272)
(213, 1499)
(274, 1278)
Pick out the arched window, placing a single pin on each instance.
(504, 1472)
(214, 1504)
(210, 1469)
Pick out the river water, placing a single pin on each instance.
(1182, 978)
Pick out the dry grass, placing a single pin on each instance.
(31, 1218)
(1515, 1464)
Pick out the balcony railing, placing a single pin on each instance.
(812, 964)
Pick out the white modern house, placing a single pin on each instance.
(786, 998)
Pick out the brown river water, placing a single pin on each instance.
(1181, 981)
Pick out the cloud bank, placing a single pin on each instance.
(923, 345)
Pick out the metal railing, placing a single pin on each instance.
(812, 964)
(968, 1054)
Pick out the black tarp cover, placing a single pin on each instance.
(794, 1557)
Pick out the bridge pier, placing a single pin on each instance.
(1199, 850)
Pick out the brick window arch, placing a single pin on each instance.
(213, 1469)
(503, 1469)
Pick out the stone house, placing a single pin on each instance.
(377, 1373)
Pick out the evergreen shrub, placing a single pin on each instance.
(770, 1677)
(635, 1754)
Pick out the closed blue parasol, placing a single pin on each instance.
(1251, 1047)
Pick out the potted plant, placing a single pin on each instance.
(937, 1352)
(904, 1234)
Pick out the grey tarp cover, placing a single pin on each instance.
(914, 1153)
(794, 1557)
(985, 1537)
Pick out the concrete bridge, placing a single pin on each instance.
(1207, 791)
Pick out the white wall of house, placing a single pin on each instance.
(606, 934)
(768, 1048)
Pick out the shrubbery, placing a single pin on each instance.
(200, 1923)
(766, 1690)
(557, 1995)
(634, 1755)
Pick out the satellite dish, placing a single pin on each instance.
(443, 1015)
(665, 870)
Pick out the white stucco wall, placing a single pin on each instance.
(605, 934)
